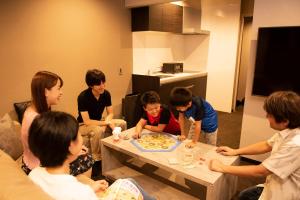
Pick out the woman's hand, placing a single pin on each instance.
(226, 151)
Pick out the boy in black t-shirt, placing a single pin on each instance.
(156, 117)
(91, 104)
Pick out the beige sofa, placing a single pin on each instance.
(14, 183)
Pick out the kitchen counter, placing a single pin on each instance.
(168, 77)
(163, 84)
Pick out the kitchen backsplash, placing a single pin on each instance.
(152, 49)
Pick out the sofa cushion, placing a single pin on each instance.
(20, 109)
(15, 185)
(10, 140)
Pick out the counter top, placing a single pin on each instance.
(168, 77)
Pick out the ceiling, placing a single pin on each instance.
(137, 3)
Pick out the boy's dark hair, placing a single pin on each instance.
(149, 97)
(42, 80)
(284, 106)
(50, 136)
(180, 96)
(94, 77)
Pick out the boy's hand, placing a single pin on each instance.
(136, 135)
(191, 144)
(100, 185)
(216, 165)
(181, 137)
(226, 151)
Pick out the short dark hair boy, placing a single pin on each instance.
(202, 115)
(149, 97)
(156, 117)
(49, 126)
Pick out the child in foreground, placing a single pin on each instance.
(54, 139)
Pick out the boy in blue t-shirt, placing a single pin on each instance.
(199, 112)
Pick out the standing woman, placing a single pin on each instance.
(45, 92)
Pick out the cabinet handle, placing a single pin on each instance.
(189, 86)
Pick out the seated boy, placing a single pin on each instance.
(282, 167)
(202, 115)
(54, 139)
(156, 117)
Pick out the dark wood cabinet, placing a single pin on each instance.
(143, 83)
(159, 17)
(172, 18)
(196, 85)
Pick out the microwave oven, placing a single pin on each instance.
(172, 68)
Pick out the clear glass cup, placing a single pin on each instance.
(187, 156)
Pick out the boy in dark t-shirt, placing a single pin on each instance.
(156, 117)
(202, 115)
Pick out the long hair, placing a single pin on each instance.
(42, 80)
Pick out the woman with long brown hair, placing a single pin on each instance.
(46, 92)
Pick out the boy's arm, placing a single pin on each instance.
(197, 131)
(196, 135)
(249, 170)
(257, 148)
(139, 127)
(182, 125)
(87, 121)
(158, 128)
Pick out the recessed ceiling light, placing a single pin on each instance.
(179, 3)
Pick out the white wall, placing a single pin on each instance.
(152, 49)
(255, 127)
(196, 52)
(221, 18)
